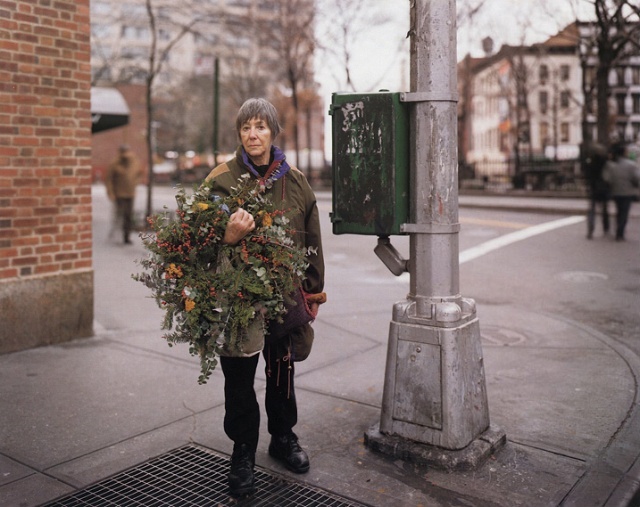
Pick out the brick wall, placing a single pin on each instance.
(45, 172)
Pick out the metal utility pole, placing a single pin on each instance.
(435, 402)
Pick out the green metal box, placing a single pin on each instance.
(370, 163)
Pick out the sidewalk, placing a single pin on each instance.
(75, 414)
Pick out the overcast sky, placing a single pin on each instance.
(378, 64)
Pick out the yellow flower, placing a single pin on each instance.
(189, 305)
(202, 206)
(174, 271)
(267, 220)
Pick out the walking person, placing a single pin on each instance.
(622, 174)
(598, 189)
(257, 127)
(121, 180)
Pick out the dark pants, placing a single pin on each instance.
(623, 206)
(125, 213)
(242, 412)
(591, 215)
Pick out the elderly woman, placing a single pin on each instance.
(257, 126)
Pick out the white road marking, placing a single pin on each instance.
(508, 239)
(514, 237)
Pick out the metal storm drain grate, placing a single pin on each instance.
(194, 476)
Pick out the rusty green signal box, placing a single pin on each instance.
(370, 163)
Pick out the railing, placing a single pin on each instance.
(537, 175)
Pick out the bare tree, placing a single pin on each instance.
(618, 28)
(289, 29)
(347, 22)
(467, 10)
(181, 23)
(157, 26)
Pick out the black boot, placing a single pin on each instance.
(287, 449)
(241, 481)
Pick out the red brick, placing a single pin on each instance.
(8, 273)
(24, 261)
(8, 253)
(47, 268)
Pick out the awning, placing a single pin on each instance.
(108, 109)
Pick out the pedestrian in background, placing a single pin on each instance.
(257, 127)
(121, 180)
(623, 176)
(598, 188)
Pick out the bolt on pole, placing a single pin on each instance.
(435, 402)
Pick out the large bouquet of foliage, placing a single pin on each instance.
(212, 292)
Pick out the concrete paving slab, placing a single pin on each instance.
(340, 461)
(11, 470)
(558, 407)
(516, 476)
(357, 377)
(333, 343)
(88, 394)
(108, 461)
(33, 490)
(552, 389)
(373, 326)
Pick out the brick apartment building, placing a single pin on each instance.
(46, 275)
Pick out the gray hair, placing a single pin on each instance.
(259, 108)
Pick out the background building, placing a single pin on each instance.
(624, 86)
(212, 53)
(525, 107)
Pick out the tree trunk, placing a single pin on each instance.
(602, 79)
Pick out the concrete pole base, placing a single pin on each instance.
(469, 458)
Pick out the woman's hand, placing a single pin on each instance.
(240, 224)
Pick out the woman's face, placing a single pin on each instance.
(255, 136)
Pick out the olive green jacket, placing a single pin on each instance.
(292, 193)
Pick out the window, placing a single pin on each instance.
(620, 99)
(267, 5)
(590, 103)
(620, 75)
(564, 99)
(564, 132)
(635, 75)
(100, 8)
(591, 76)
(564, 72)
(544, 102)
(134, 11)
(544, 133)
(543, 73)
(100, 30)
(635, 101)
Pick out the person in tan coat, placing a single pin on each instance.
(121, 179)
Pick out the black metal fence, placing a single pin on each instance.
(534, 175)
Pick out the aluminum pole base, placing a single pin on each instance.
(434, 405)
(469, 458)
